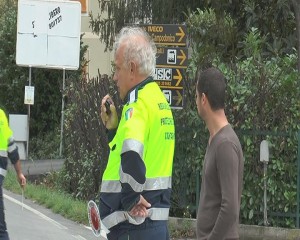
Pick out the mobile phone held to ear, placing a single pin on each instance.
(107, 106)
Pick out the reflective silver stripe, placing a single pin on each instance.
(3, 153)
(158, 183)
(127, 178)
(133, 145)
(3, 172)
(121, 216)
(150, 184)
(111, 186)
(12, 147)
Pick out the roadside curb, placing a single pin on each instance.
(247, 232)
(37, 167)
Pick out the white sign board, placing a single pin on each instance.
(29, 95)
(18, 124)
(48, 34)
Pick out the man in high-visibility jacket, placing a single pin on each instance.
(8, 149)
(136, 185)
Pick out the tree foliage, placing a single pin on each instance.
(12, 78)
(267, 16)
(45, 114)
(115, 14)
(296, 7)
(46, 111)
(86, 140)
(246, 40)
(262, 103)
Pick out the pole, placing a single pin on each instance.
(62, 114)
(265, 195)
(298, 183)
(28, 118)
(264, 158)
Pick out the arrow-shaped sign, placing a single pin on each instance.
(182, 57)
(178, 98)
(174, 97)
(181, 34)
(172, 57)
(167, 34)
(177, 77)
(169, 76)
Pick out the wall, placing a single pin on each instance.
(97, 57)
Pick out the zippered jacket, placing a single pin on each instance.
(141, 158)
(8, 147)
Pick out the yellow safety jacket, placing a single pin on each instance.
(8, 148)
(146, 130)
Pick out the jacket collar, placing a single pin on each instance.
(132, 95)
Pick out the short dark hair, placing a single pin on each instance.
(211, 82)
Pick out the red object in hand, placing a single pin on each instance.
(95, 218)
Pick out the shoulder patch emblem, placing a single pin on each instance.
(128, 114)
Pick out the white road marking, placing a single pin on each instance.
(79, 237)
(35, 211)
(102, 232)
(88, 227)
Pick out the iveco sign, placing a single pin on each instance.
(167, 34)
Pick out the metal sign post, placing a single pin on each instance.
(264, 157)
(28, 119)
(62, 114)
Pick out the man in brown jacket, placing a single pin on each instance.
(222, 174)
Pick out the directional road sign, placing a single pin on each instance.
(171, 62)
(172, 57)
(170, 81)
(174, 97)
(167, 34)
(171, 77)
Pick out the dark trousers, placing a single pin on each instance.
(3, 231)
(149, 230)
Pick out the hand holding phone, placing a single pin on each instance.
(108, 113)
(107, 106)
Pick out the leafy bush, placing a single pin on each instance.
(86, 140)
(262, 103)
(45, 114)
(45, 146)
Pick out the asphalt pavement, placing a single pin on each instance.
(27, 220)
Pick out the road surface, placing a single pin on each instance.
(30, 221)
